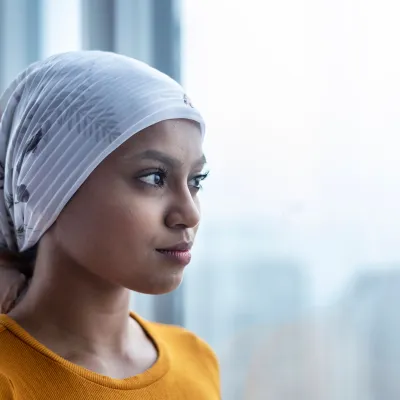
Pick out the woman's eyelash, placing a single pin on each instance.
(199, 179)
(155, 178)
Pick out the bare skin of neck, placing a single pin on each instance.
(84, 319)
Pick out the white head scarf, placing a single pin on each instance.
(59, 119)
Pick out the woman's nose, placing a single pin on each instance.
(184, 213)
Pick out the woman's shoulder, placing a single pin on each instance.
(7, 339)
(5, 336)
(6, 388)
(184, 342)
(188, 351)
(184, 337)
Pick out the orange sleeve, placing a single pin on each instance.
(6, 389)
(204, 354)
(212, 363)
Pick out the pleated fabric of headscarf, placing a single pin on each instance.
(59, 119)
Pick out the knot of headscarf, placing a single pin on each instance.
(59, 119)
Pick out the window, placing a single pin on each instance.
(299, 243)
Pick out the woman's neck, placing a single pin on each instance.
(84, 319)
(67, 302)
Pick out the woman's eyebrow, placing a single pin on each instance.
(201, 162)
(166, 159)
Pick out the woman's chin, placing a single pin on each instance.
(161, 285)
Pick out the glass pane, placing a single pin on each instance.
(297, 270)
(61, 26)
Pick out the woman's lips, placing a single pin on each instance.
(181, 257)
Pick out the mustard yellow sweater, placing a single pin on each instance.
(186, 369)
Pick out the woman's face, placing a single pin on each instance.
(134, 220)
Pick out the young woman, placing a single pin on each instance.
(101, 161)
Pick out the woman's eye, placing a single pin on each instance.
(154, 179)
(196, 181)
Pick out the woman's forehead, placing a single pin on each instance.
(172, 136)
